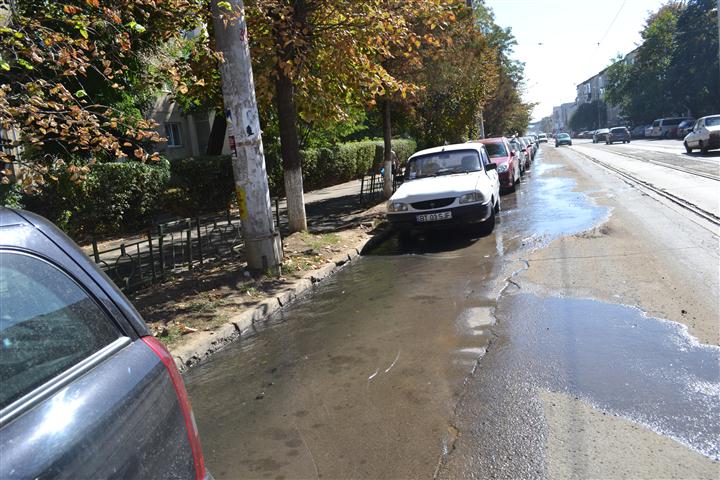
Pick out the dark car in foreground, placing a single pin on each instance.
(617, 134)
(562, 139)
(86, 392)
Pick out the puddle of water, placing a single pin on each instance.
(544, 208)
(648, 370)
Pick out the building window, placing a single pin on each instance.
(172, 133)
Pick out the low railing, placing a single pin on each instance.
(169, 248)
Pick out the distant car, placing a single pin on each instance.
(533, 145)
(617, 134)
(638, 132)
(87, 391)
(685, 127)
(562, 139)
(542, 138)
(506, 159)
(600, 135)
(453, 185)
(666, 127)
(705, 135)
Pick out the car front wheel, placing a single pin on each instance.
(687, 147)
(486, 227)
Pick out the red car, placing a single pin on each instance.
(506, 159)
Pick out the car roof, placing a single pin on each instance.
(450, 148)
(490, 140)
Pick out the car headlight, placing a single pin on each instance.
(472, 197)
(503, 167)
(397, 207)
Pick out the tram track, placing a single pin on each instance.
(633, 180)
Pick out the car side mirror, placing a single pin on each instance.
(490, 166)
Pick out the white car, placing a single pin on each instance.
(542, 138)
(705, 134)
(447, 186)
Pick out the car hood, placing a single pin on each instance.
(437, 187)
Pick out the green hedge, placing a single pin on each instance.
(199, 185)
(125, 197)
(113, 197)
(324, 167)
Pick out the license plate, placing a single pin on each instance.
(434, 217)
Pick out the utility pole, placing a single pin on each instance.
(263, 247)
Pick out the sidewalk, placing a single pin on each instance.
(199, 311)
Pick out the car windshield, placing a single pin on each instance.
(618, 130)
(672, 121)
(563, 135)
(712, 121)
(443, 163)
(496, 150)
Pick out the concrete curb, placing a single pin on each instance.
(245, 324)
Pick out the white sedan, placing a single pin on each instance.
(447, 186)
(705, 135)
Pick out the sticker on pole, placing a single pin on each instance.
(242, 202)
(233, 147)
(251, 123)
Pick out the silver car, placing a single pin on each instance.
(86, 392)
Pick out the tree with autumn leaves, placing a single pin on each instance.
(76, 75)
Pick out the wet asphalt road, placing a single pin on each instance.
(426, 359)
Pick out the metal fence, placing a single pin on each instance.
(371, 186)
(169, 248)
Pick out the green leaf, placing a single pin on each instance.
(82, 31)
(136, 26)
(25, 64)
(81, 94)
(225, 6)
(4, 65)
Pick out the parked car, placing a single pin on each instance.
(666, 127)
(705, 135)
(542, 138)
(617, 134)
(600, 135)
(453, 185)
(87, 391)
(523, 155)
(533, 146)
(648, 131)
(639, 131)
(685, 127)
(529, 152)
(563, 139)
(507, 161)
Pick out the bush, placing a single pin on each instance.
(200, 184)
(324, 167)
(114, 197)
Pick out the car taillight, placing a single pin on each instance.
(184, 402)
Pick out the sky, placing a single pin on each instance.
(565, 42)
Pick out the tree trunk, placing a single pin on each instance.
(387, 137)
(216, 140)
(290, 148)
